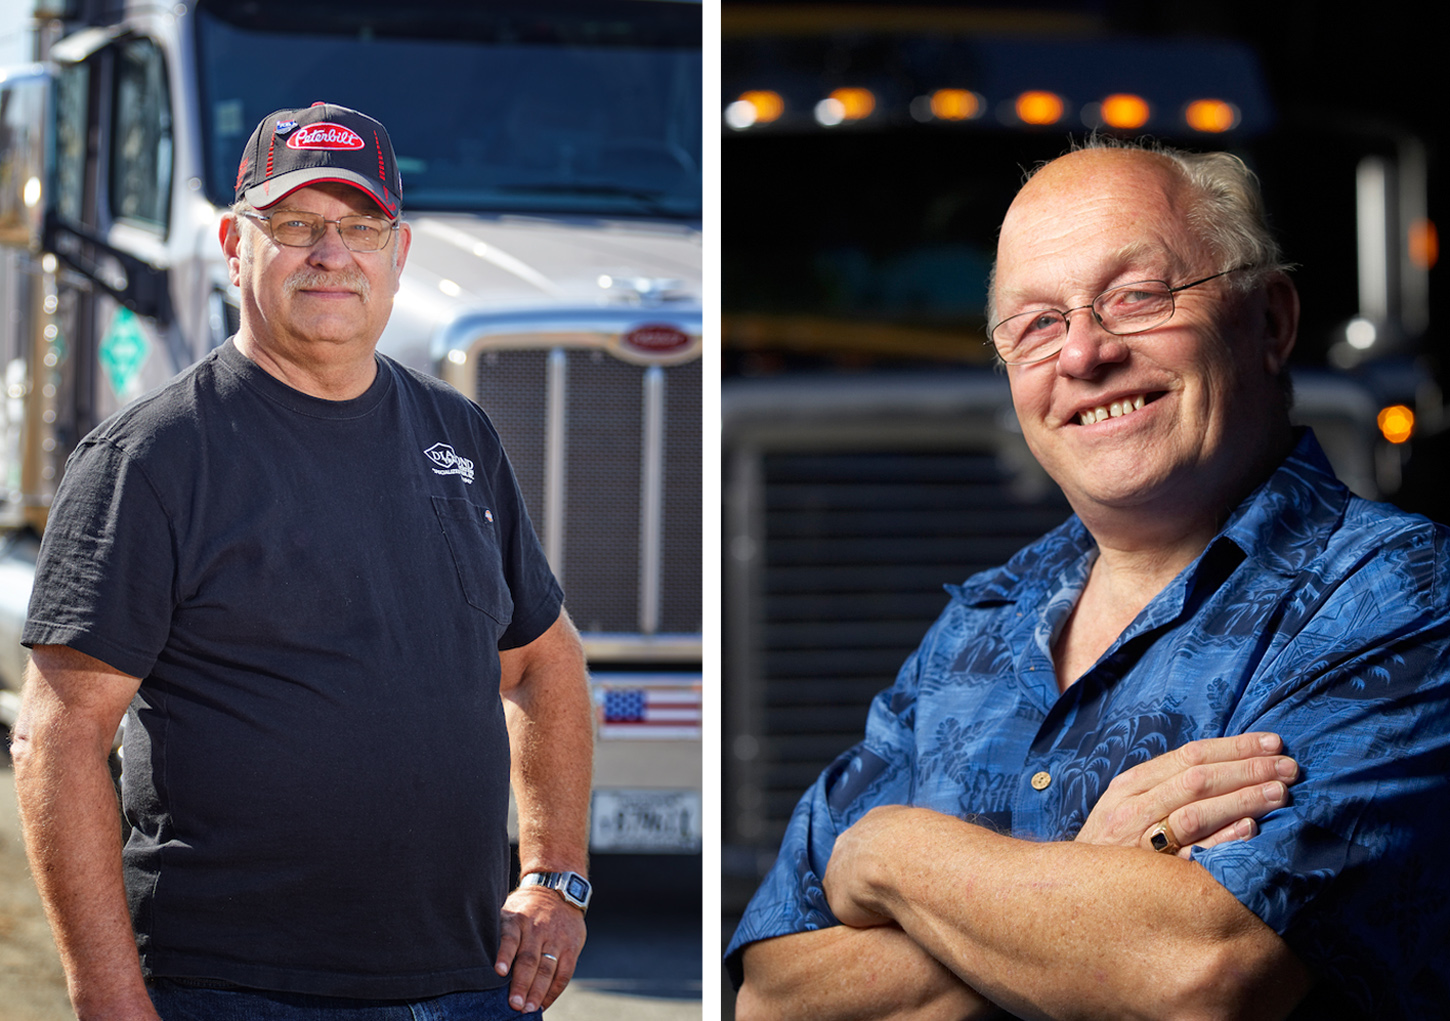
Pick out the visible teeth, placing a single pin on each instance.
(1115, 410)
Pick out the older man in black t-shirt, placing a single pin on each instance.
(305, 575)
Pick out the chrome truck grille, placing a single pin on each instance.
(607, 453)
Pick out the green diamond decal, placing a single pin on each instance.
(124, 350)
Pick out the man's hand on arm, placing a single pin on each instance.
(551, 735)
(1209, 791)
(1078, 929)
(61, 745)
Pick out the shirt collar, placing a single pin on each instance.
(1283, 525)
(1286, 522)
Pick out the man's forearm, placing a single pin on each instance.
(552, 763)
(1066, 929)
(551, 744)
(72, 834)
(551, 737)
(846, 974)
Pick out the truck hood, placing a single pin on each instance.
(511, 266)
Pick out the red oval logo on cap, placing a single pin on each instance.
(325, 135)
(657, 339)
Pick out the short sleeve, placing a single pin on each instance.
(105, 577)
(1349, 873)
(534, 590)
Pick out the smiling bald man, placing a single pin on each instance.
(1185, 755)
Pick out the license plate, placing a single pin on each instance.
(650, 821)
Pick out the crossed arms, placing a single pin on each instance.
(943, 919)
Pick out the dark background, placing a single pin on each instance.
(1341, 81)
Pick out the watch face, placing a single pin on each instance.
(577, 887)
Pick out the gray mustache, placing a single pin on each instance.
(306, 280)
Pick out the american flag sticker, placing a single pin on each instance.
(649, 707)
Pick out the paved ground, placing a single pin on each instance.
(635, 967)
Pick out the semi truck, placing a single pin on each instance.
(550, 154)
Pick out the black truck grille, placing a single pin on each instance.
(853, 550)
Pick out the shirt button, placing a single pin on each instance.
(1041, 780)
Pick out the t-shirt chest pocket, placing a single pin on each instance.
(473, 541)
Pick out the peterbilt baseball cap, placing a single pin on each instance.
(323, 142)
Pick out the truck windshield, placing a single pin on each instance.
(545, 106)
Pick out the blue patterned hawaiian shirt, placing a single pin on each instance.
(1313, 614)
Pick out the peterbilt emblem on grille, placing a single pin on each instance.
(660, 339)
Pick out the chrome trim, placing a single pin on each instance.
(600, 647)
(554, 409)
(600, 328)
(1372, 209)
(651, 498)
(78, 46)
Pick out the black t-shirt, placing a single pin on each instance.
(316, 764)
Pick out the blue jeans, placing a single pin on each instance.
(176, 1002)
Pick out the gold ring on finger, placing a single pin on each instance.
(1163, 839)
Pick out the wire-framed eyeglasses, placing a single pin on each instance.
(1039, 334)
(296, 228)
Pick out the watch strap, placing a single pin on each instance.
(573, 887)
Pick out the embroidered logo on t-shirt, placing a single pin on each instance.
(449, 462)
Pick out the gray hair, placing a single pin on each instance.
(241, 210)
(1225, 212)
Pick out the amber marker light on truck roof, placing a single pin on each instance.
(955, 105)
(758, 106)
(1039, 108)
(1211, 115)
(1125, 110)
(845, 104)
(1396, 423)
